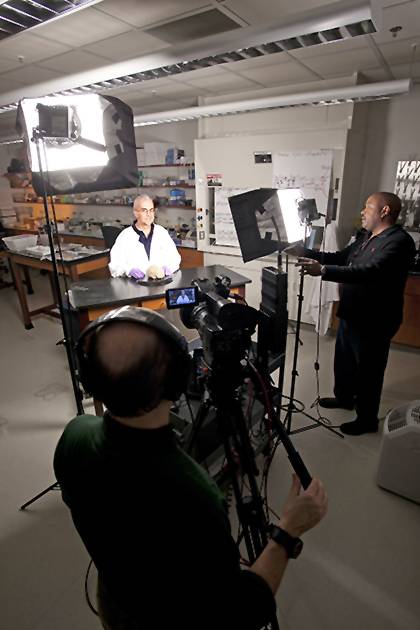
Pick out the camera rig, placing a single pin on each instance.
(231, 365)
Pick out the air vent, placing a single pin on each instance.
(395, 425)
(196, 26)
(21, 15)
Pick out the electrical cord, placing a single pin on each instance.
(87, 596)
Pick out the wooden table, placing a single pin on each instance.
(73, 269)
(92, 298)
(190, 257)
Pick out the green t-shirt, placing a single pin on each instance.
(155, 525)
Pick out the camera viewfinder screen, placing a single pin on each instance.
(175, 298)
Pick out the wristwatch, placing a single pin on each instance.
(293, 546)
(323, 270)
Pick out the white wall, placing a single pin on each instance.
(229, 150)
(182, 134)
(393, 134)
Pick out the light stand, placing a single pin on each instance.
(291, 407)
(78, 395)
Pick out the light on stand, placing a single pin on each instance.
(75, 144)
(267, 220)
(88, 143)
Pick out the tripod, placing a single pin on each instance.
(224, 396)
(291, 407)
(224, 387)
(37, 138)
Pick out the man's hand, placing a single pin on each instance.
(137, 274)
(309, 266)
(294, 250)
(303, 510)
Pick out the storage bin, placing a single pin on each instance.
(20, 242)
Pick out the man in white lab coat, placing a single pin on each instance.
(144, 248)
(183, 298)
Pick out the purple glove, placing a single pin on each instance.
(137, 274)
(166, 270)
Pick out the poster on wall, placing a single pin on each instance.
(224, 228)
(407, 187)
(308, 170)
(214, 179)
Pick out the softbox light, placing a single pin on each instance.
(87, 143)
(266, 220)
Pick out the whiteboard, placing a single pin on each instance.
(308, 170)
(224, 228)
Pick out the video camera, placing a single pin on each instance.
(225, 327)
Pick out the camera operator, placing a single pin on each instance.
(155, 525)
(372, 271)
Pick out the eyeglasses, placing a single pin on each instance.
(146, 210)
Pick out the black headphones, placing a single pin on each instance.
(145, 317)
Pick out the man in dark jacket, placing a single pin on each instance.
(372, 272)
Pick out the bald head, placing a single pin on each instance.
(391, 201)
(130, 364)
(142, 201)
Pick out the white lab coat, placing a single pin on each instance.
(329, 292)
(128, 253)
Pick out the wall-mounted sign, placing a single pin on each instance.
(214, 179)
(262, 157)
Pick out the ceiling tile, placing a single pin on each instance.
(404, 70)
(31, 47)
(191, 101)
(258, 62)
(202, 73)
(375, 74)
(343, 63)
(176, 91)
(32, 74)
(156, 106)
(82, 27)
(228, 82)
(127, 46)
(332, 48)
(406, 15)
(268, 10)
(6, 65)
(148, 12)
(6, 84)
(290, 72)
(74, 61)
(401, 51)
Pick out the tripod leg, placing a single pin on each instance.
(199, 420)
(54, 486)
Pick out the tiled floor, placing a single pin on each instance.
(360, 568)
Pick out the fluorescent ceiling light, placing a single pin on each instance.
(331, 22)
(332, 96)
(17, 16)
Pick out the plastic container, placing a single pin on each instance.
(20, 242)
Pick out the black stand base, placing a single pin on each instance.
(315, 423)
(54, 486)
